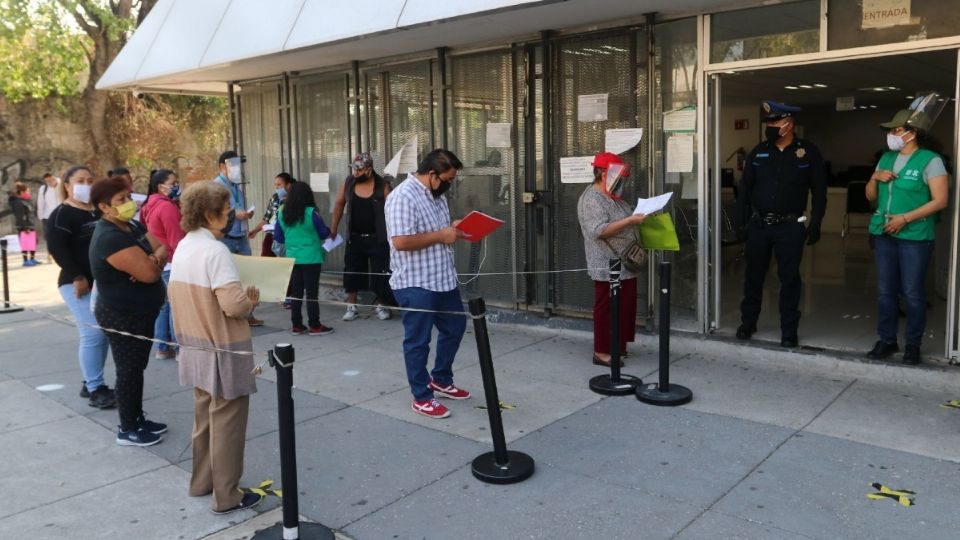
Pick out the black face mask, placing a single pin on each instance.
(772, 133)
(441, 189)
(231, 218)
(362, 177)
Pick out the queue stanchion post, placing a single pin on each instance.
(663, 392)
(7, 306)
(281, 358)
(501, 466)
(616, 383)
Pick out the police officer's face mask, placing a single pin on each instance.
(773, 133)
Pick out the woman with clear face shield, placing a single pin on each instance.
(910, 189)
(609, 227)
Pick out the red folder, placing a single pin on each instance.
(477, 225)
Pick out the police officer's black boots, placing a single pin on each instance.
(746, 331)
(789, 341)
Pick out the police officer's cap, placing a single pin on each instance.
(773, 111)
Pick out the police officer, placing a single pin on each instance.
(780, 173)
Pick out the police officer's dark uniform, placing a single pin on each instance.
(771, 200)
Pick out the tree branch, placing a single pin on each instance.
(71, 8)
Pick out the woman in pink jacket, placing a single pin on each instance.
(161, 215)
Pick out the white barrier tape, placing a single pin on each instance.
(518, 273)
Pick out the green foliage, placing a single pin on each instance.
(42, 56)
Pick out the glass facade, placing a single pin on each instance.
(511, 114)
(866, 22)
(765, 32)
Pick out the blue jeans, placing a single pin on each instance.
(93, 342)
(238, 246)
(163, 328)
(418, 329)
(901, 270)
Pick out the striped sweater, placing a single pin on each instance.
(210, 309)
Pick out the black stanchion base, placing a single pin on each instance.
(10, 309)
(519, 467)
(676, 395)
(603, 384)
(307, 531)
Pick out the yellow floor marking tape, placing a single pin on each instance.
(264, 489)
(503, 406)
(902, 496)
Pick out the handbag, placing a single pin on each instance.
(632, 257)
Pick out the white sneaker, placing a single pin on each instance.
(351, 314)
(382, 313)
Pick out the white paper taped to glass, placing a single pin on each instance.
(653, 204)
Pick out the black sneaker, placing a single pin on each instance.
(911, 355)
(137, 437)
(249, 500)
(153, 427)
(102, 398)
(84, 393)
(883, 350)
(790, 342)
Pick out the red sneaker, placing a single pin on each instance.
(431, 408)
(320, 330)
(298, 329)
(451, 391)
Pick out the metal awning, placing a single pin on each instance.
(196, 47)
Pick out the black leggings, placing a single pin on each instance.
(130, 355)
(305, 279)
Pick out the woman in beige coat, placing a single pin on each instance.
(210, 309)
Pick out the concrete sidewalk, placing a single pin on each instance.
(774, 445)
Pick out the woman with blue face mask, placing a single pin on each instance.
(281, 186)
(910, 189)
(161, 215)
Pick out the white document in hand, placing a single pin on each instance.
(653, 204)
(331, 243)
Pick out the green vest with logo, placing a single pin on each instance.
(904, 193)
(301, 240)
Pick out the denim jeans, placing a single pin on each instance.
(901, 270)
(418, 329)
(163, 328)
(238, 246)
(93, 342)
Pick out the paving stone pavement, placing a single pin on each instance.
(772, 446)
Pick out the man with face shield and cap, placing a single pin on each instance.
(235, 232)
(609, 226)
(910, 187)
(360, 204)
(780, 175)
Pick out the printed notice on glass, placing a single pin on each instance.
(498, 135)
(320, 182)
(680, 154)
(885, 13)
(846, 103)
(576, 170)
(592, 107)
(619, 141)
(684, 119)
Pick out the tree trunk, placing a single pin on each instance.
(96, 104)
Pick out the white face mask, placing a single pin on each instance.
(895, 142)
(81, 192)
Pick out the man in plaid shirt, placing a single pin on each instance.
(424, 277)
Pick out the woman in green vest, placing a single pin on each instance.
(302, 231)
(910, 189)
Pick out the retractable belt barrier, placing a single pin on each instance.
(663, 393)
(616, 383)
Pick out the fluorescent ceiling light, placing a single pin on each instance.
(805, 86)
(788, 87)
(818, 85)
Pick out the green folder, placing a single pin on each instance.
(657, 232)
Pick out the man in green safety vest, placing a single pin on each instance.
(910, 189)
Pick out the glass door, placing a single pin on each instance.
(953, 288)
